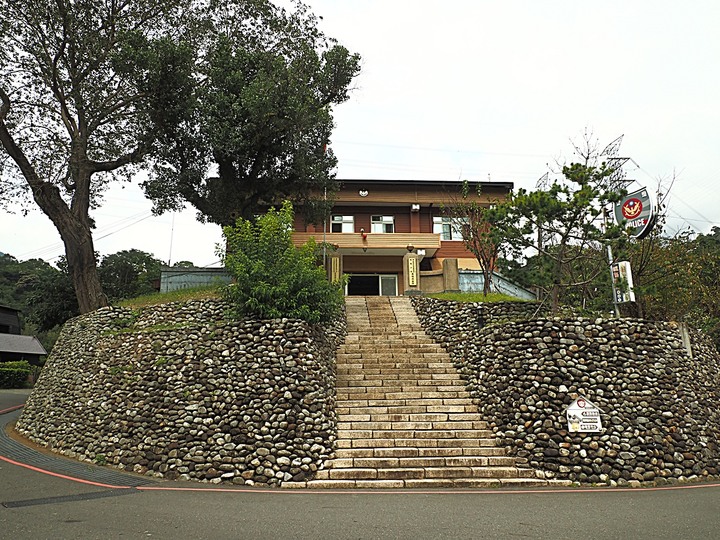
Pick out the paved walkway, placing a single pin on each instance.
(10, 399)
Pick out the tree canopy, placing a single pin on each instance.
(71, 121)
(92, 91)
(129, 273)
(564, 230)
(253, 122)
(44, 293)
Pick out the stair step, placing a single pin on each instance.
(417, 461)
(390, 416)
(486, 451)
(445, 404)
(413, 425)
(397, 385)
(407, 473)
(400, 434)
(382, 378)
(429, 483)
(374, 442)
(392, 371)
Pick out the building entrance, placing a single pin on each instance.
(372, 285)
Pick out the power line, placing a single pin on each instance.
(45, 251)
(445, 150)
(674, 197)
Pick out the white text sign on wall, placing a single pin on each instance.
(583, 416)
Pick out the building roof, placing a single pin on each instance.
(435, 183)
(11, 343)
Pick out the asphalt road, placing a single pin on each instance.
(36, 505)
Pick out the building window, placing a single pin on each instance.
(342, 224)
(382, 224)
(449, 228)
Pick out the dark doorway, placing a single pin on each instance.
(363, 286)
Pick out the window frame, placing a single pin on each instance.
(379, 224)
(345, 222)
(449, 228)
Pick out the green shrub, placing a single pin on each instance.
(273, 278)
(14, 374)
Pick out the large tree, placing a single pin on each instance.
(71, 120)
(90, 91)
(253, 125)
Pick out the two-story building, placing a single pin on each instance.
(392, 237)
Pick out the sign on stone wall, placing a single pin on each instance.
(583, 416)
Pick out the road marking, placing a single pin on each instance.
(67, 498)
(11, 409)
(439, 491)
(63, 476)
(350, 491)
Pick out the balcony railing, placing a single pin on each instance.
(373, 241)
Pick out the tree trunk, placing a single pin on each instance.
(82, 266)
(76, 235)
(487, 275)
(555, 298)
(73, 224)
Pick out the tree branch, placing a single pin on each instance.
(44, 193)
(133, 157)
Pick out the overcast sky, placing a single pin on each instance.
(486, 90)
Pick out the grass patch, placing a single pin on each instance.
(161, 361)
(491, 298)
(181, 295)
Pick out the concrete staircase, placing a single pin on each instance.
(405, 419)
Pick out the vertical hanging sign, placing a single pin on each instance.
(412, 267)
(335, 269)
(623, 282)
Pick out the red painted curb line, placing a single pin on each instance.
(11, 409)
(351, 491)
(63, 476)
(439, 491)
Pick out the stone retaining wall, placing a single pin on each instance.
(467, 317)
(661, 407)
(178, 391)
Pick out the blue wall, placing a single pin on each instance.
(172, 279)
(473, 281)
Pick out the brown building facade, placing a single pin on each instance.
(392, 237)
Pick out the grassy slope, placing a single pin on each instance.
(181, 295)
(475, 297)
